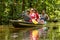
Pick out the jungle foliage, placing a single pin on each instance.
(10, 9)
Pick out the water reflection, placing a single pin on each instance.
(43, 32)
(30, 33)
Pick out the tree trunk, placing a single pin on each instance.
(44, 5)
(30, 3)
(23, 5)
(37, 2)
(2, 10)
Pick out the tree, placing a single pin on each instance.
(10, 9)
(23, 5)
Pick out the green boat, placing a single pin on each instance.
(23, 24)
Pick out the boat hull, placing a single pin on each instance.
(22, 24)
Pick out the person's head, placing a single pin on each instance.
(43, 11)
(31, 10)
(28, 12)
(35, 11)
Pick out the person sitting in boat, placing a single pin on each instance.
(25, 16)
(34, 16)
(44, 17)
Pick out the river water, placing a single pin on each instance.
(8, 32)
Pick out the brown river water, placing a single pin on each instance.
(8, 32)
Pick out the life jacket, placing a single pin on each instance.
(34, 16)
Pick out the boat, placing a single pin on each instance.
(23, 24)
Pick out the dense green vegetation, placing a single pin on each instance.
(10, 9)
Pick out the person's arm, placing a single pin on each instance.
(47, 17)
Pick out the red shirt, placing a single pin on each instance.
(34, 16)
(37, 15)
